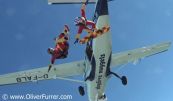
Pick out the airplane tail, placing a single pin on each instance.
(72, 1)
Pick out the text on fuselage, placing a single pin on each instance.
(101, 67)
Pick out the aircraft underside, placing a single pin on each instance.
(98, 62)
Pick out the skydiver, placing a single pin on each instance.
(84, 24)
(61, 48)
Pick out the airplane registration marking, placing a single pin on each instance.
(101, 67)
(31, 78)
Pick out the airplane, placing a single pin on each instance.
(97, 64)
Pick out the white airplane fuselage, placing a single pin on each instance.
(96, 67)
(102, 50)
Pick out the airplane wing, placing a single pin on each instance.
(33, 75)
(137, 54)
(70, 1)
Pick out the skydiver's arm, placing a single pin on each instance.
(83, 10)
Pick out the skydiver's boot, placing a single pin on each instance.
(81, 91)
(66, 29)
(123, 78)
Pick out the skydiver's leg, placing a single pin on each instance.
(94, 34)
(85, 39)
(89, 31)
(66, 29)
(90, 36)
(99, 32)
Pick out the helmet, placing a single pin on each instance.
(80, 21)
(50, 50)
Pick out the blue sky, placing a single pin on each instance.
(28, 27)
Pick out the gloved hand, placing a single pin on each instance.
(77, 40)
